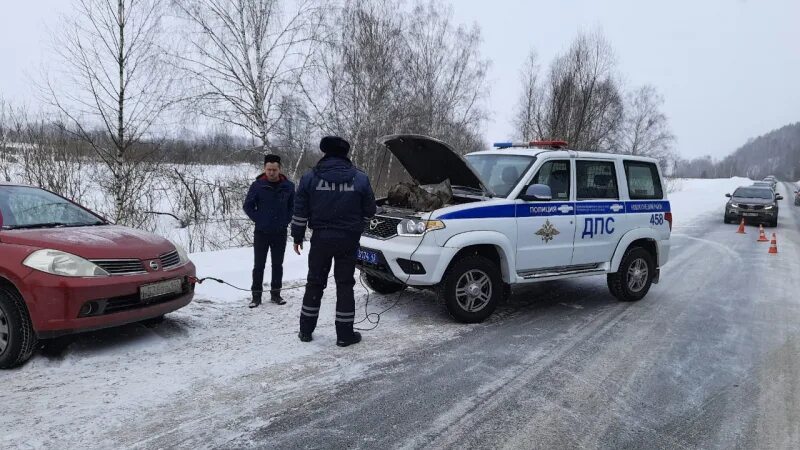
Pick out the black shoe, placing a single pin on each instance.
(255, 303)
(304, 337)
(277, 299)
(354, 340)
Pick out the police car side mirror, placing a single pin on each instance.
(538, 193)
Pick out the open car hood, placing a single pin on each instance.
(431, 161)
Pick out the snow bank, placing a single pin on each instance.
(695, 198)
(235, 266)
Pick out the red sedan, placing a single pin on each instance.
(64, 270)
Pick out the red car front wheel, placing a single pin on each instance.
(17, 338)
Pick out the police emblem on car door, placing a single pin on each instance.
(548, 231)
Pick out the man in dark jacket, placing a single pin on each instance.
(269, 204)
(334, 199)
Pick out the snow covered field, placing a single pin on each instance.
(128, 387)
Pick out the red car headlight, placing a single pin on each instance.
(65, 264)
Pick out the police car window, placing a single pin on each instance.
(643, 180)
(500, 173)
(555, 174)
(596, 180)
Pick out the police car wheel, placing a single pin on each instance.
(471, 289)
(635, 275)
(382, 286)
(17, 337)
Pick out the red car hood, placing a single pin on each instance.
(98, 242)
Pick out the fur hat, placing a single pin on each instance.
(334, 145)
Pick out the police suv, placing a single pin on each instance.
(521, 213)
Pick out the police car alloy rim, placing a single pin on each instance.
(474, 290)
(637, 275)
(3, 331)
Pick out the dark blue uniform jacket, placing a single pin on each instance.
(335, 199)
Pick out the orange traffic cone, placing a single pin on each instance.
(773, 246)
(762, 237)
(741, 227)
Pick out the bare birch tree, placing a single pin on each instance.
(113, 88)
(529, 106)
(359, 77)
(645, 131)
(245, 56)
(445, 76)
(580, 100)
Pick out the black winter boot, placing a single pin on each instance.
(353, 340)
(276, 298)
(256, 302)
(304, 337)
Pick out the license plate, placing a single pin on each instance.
(750, 214)
(154, 290)
(367, 256)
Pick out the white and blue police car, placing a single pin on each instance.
(520, 213)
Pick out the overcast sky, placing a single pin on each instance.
(728, 69)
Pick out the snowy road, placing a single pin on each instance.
(710, 358)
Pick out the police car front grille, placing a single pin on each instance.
(382, 227)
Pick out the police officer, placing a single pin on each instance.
(334, 199)
(269, 203)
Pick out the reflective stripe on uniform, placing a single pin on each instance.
(345, 317)
(309, 311)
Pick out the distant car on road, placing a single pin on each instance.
(797, 197)
(767, 184)
(772, 181)
(755, 204)
(64, 270)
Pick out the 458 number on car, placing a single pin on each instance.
(657, 219)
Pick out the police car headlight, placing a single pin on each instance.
(769, 207)
(416, 227)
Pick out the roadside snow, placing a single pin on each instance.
(695, 198)
(235, 265)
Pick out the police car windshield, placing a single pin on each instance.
(753, 193)
(500, 173)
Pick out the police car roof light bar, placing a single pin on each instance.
(536, 144)
(549, 144)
